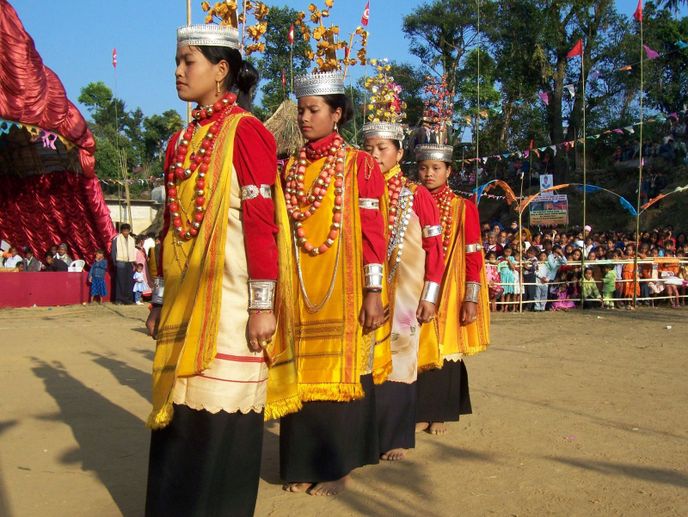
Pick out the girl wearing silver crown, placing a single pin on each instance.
(333, 194)
(213, 315)
(415, 261)
(463, 311)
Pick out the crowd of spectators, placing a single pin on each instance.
(132, 270)
(566, 270)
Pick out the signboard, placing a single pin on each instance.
(550, 210)
(546, 181)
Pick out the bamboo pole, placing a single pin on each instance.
(585, 163)
(640, 172)
(477, 116)
(188, 22)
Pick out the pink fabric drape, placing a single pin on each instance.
(45, 209)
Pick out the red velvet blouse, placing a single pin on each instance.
(429, 215)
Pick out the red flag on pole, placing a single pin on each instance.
(284, 79)
(291, 34)
(114, 58)
(366, 15)
(638, 14)
(577, 50)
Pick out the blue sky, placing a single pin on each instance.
(76, 37)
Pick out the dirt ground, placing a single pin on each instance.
(574, 414)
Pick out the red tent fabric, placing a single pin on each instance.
(48, 193)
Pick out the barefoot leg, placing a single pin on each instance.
(394, 455)
(422, 426)
(330, 487)
(296, 487)
(437, 428)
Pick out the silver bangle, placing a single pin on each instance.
(431, 292)
(158, 291)
(432, 231)
(261, 294)
(472, 248)
(369, 203)
(373, 276)
(472, 292)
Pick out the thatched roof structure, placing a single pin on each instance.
(284, 126)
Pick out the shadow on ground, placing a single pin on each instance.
(113, 443)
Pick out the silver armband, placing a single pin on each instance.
(261, 294)
(369, 203)
(373, 276)
(432, 231)
(253, 191)
(472, 292)
(158, 291)
(472, 248)
(431, 292)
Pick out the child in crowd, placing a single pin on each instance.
(493, 280)
(96, 277)
(590, 294)
(542, 275)
(608, 286)
(561, 291)
(509, 278)
(140, 285)
(669, 271)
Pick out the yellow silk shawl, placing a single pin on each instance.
(187, 334)
(331, 350)
(447, 337)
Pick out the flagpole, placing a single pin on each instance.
(477, 117)
(585, 163)
(640, 169)
(188, 22)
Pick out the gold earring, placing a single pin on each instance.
(217, 87)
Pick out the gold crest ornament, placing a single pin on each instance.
(328, 43)
(386, 110)
(235, 15)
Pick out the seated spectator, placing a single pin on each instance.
(13, 258)
(31, 263)
(62, 254)
(55, 265)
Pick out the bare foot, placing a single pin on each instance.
(422, 426)
(296, 487)
(394, 455)
(437, 428)
(330, 487)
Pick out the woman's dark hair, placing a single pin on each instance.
(242, 78)
(339, 100)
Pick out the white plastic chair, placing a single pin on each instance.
(77, 266)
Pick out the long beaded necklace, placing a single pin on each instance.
(443, 197)
(296, 194)
(396, 240)
(394, 186)
(200, 160)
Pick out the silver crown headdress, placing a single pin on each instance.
(439, 152)
(319, 83)
(385, 130)
(208, 35)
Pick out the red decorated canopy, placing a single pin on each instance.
(48, 189)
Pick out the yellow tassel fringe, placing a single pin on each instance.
(162, 418)
(331, 392)
(279, 408)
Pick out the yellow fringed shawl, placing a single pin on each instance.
(187, 334)
(447, 337)
(331, 351)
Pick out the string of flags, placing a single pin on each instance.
(570, 144)
(47, 138)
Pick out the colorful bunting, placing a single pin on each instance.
(651, 54)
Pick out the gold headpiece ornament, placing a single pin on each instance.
(385, 107)
(329, 70)
(225, 26)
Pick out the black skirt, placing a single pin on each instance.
(205, 465)
(325, 441)
(443, 394)
(396, 415)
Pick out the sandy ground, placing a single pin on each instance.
(574, 414)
